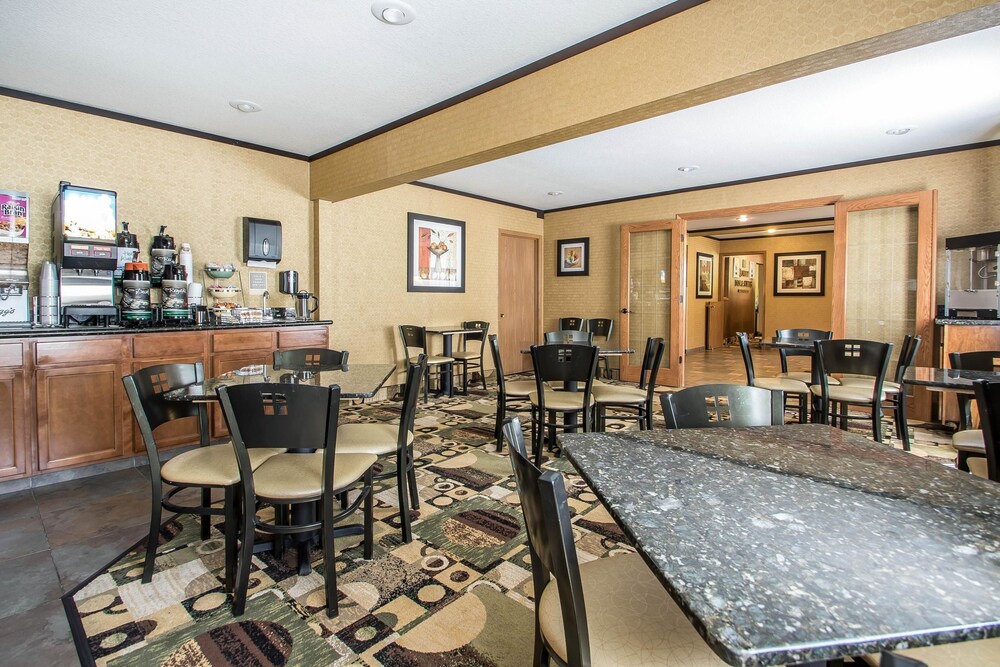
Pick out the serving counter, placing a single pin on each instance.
(62, 402)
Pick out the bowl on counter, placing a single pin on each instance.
(220, 272)
(225, 292)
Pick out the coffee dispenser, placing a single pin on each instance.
(86, 252)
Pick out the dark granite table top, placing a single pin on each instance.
(53, 332)
(966, 322)
(946, 378)
(791, 544)
(355, 380)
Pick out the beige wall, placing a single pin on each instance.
(199, 189)
(696, 306)
(362, 272)
(967, 184)
(789, 312)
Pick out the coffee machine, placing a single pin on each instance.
(84, 225)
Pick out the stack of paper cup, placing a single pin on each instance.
(194, 294)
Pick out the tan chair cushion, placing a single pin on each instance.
(847, 394)
(631, 619)
(782, 384)
(804, 376)
(300, 476)
(610, 393)
(519, 387)
(969, 440)
(981, 653)
(560, 401)
(558, 386)
(888, 386)
(434, 360)
(980, 468)
(378, 439)
(465, 355)
(212, 466)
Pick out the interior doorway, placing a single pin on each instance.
(741, 280)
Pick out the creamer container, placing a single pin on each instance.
(185, 259)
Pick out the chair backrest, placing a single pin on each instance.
(651, 364)
(308, 359)
(550, 541)
(744, 342)
(907, 353)
(570, 336)
(497, 363)
(853, 357)
(988, 400)
(480, 335)
(702, 406)
(810, 335)
(571, 323)
(557, 362)
(413, 336)
(986, 360)
(144, 388)
(411, 390)
(601, 327)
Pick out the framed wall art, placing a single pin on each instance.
(800, 273)
(705, 275)
(573, 257)
(435, 255)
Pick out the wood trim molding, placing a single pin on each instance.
(771, 207)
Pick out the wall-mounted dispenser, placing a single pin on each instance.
(261, 242)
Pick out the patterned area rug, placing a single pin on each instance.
(459, 594)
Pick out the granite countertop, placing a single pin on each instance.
(967, 322)
(355, 380)
(53, 332)
(798, 543)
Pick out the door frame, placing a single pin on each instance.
(678, 282)
(539, 280)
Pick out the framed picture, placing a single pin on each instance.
(573, 256)
(706, 275)
(800, 273)
(435, 254)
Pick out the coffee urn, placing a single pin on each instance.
(161, 253)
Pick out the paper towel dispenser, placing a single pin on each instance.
(261, 241)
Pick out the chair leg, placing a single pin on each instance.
(330, 558)
(482, 372)
(281, 518)
(404, 505)
(369, 515)
(206, 520)
(501, 414)
(246, 555)
(802, 408)
(465, 378)
(232, 529)
(845, 410)
(427, 382)
(411, 479)
(877, 422)
(153, 539)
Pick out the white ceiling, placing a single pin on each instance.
(325, 72)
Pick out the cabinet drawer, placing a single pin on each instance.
(147, 346)
(290, 340)
(75, 351)
(234, 341)
(10, 354)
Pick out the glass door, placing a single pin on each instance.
(652, 296)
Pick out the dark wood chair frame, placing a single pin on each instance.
(503, 399)
(810, 335)
(988, 401)
(651, 359)
(695, 406)
(907, 353)
(569, 364)
(143, 389)
(852, 357)
(300, 417)
(414, 336)
(308, 359)
(744, 343)
(471, 363)
(571, 323)
(602, 327)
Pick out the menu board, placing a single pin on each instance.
(13, 216)
(88, 214)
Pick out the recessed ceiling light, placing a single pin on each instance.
(245, 106)
(688, 168)
(554, 193)
(897, 131)
(743, 217)
(393, 12)
(772, 230)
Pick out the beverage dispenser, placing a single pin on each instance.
(972, 290)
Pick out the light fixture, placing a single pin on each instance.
(743, 217)
(771, 230)
(393, 12)
(898, 131)
(690, 167)
(245, 106)
(554, 193)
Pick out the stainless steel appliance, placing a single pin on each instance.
(302, 308)
(972, 290)
(288, 282)
(86, 251)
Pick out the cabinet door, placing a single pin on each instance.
(223, 364)
(172, 434)
(12, 441)
(296, 338)
(79, 412)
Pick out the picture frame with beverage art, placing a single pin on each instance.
(573, 257)
(435, 254)
(705, 276)
(800, 273)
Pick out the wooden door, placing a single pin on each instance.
(900, 261)
(652, 286)
(12, 441)
(520, 298)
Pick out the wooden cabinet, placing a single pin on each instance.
(13, 437)
(962, 338)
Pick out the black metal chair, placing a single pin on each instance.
(609, 611)
(702, 406)
(396, 442)
(574, 366)
(640, 399)
(308, 359)
(988, 401)
(304, 418)
(602, 328)
(414, 344)
(786, 385)
(851, 357)
(508, 391)
(472, 359)
(798, 335)
(984, 360)
(209, 467)
(571, 323)
(570, 336)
